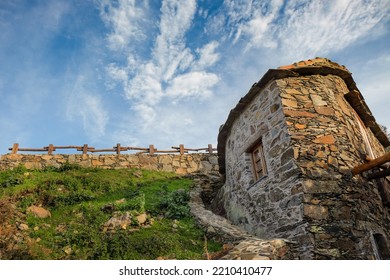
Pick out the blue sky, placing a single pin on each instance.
(101, 72)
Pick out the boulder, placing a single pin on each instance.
(39, 212)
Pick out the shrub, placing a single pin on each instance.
(175, 204)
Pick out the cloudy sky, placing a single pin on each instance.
(102, 72)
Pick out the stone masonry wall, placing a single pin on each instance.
(180, 164)
(311, 139)
(342, 212)
(238, 244)
(270, 207)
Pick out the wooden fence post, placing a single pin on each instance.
(85, 149)
(15, 148)
(118, 149)
(50, 149)
(181, 147)
(151, 150)
(210, 148)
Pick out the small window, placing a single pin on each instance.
(258, 161)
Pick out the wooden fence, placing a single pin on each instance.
(117, 149)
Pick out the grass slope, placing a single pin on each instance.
(82, 200)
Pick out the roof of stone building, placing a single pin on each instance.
(316, 66)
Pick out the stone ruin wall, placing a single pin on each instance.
(180, 164)
(342, 212)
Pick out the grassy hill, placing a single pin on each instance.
(83, 213)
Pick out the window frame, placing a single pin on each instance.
(259, 166)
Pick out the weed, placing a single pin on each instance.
(176, 204)
(135, 203)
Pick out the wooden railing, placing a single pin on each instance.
(117, 149)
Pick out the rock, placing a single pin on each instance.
(120, 201)
(296, 113)
(331, 253)
(61, 228)
(137, 174)
(206, 166)
(23, 226)
(39, 212)
(289, 103)
(108, 208)
(68, 250)
(317, 100)
(316, 212)
(141, 219)
(300, 126)
(328, 139)
(261, 258)
(213, 160)
(327, 111)
(248, 256)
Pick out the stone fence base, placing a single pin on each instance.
(180, 164)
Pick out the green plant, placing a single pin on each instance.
(67, 166)
(176, 204)
(11, 180)
(75, 230)
(136, 203)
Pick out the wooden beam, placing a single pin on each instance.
(371, 164)
(32, 150)
(379, 174)
(102, 150)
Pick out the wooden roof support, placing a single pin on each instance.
(370, 165)
(379, 174)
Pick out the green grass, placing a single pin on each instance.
(77, 199)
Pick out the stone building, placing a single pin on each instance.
(287, 150)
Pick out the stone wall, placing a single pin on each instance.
(180, 164)
(238, 244)
(270, 207)
(312, 137)
(342, 212)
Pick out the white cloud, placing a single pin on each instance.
(173, 71)
(117, 73)
(302, 29)
(87, 107)
(191, 84)
(170, 70)
(146, 112)
(207, 55)
(125, 18)
(320, 27)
